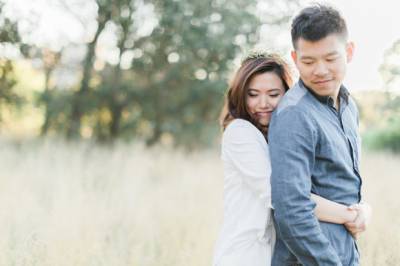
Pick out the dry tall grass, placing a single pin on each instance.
(85, 205)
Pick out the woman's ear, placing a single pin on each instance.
(294, 56)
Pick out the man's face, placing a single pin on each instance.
(322, 64)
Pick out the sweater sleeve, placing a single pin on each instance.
(246, 149)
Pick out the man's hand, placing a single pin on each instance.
(363, 218)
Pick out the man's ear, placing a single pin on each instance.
(294, 56)
(349, 51)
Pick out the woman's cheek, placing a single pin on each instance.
(250, 104)
(275, 102)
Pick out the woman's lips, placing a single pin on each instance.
(263, 114)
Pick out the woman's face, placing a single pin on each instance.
(263, 95)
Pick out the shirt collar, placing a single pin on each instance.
(343, 94)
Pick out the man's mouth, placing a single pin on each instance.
(322, 81)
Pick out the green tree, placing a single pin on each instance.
(78, 109)
(183, 64)
(389, 136)
(114, 93)
(8, 37)
(390, 72)
(168, 76)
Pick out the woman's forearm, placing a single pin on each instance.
(332, 212)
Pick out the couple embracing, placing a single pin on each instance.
(291, 153)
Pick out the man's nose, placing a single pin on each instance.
(321, 69)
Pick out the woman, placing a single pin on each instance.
(247, 235)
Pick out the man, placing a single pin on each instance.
(314, 145)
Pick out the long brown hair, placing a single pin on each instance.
(235, 100)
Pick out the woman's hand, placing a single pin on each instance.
(363, 218)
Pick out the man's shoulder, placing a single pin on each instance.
(353, 105)
(296, 100)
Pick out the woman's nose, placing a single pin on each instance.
(264, 103)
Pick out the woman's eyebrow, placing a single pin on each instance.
(274, 89)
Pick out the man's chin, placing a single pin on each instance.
(323, 91)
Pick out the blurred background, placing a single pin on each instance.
(109, 128)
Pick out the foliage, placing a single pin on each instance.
(165, 85)
(388, 137)
(8, 36)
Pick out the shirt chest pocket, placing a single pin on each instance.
(351, 131)
(355, 142)
(330, 148)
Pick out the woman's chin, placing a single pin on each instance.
(263, 123)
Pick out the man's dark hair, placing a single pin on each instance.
(317, 22)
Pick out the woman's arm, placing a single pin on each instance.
(332, 212)
(244, 147)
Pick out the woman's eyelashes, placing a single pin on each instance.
(270, 95)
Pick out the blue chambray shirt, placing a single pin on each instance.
(314, 149)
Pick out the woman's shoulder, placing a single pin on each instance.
(241, 129)
(240, 124)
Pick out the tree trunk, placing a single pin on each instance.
(46, 124)
(78, 100)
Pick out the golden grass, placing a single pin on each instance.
(80, 204)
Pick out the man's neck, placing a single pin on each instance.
(325, 99)
(336, 102)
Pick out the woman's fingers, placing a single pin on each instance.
(359, 225)
(354, 207)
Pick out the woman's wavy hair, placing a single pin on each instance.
(235, 99)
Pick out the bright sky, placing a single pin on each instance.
(373, 26)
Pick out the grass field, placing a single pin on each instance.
(82, 205)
